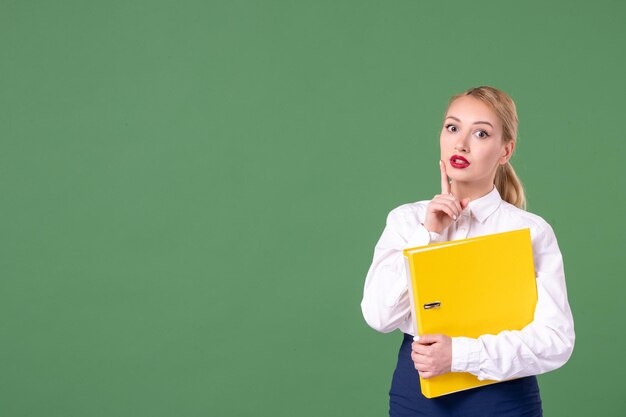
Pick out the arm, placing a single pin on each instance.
(386, 303)
(543, 345)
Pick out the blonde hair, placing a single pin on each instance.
(508, 184)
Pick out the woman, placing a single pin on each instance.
(483, 196)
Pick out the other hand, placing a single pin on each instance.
(432, 355)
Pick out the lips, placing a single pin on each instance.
(457, 161)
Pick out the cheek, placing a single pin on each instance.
(444, 142)
(489, 153)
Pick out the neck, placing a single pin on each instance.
(473, 191)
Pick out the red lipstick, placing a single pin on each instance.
(457, 161)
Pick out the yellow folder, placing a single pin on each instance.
(470, 287)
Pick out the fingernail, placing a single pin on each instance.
(416, 338)
(454, 217)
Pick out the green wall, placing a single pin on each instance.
(191, 192)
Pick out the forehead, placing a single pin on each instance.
(469, 109)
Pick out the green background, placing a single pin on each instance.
(191, 192)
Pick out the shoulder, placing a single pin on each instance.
(408, 213)
(539, 227)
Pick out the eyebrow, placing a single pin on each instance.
(458, 120)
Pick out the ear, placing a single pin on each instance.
(508, 152)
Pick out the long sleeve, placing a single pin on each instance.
(543, 345)
(386, 303)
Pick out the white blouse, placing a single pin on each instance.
(543, 345)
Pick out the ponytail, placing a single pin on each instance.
(509, 186)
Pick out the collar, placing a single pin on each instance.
(484, 206)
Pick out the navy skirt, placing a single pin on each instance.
(515, 398)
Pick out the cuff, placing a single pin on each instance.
(422, 237)
(466, 355)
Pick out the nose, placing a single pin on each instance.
(462, 144)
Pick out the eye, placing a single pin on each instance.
(482, 134)
(448, 126)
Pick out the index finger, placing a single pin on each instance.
(445, 185)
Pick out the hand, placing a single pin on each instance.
(432, 355)
(444, 208)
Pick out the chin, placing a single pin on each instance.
(460, 177)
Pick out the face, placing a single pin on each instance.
(471, 142)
